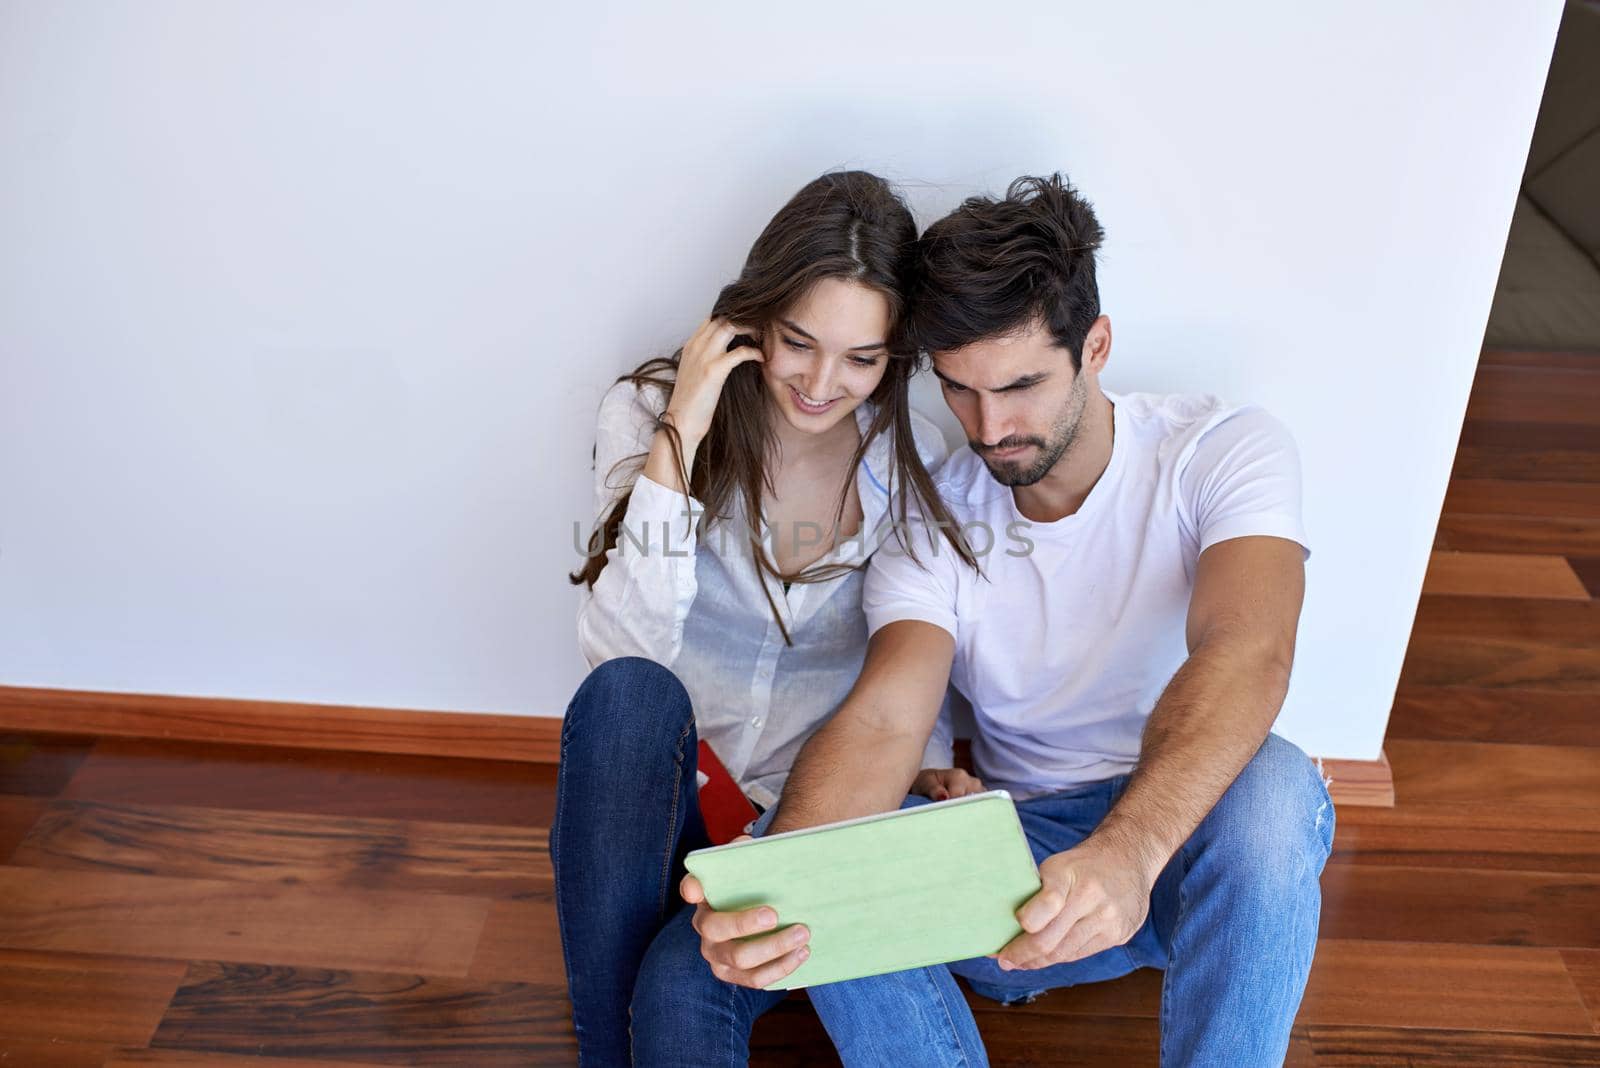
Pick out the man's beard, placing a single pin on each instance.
(1062, 436)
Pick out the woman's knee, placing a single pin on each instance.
(627, 697)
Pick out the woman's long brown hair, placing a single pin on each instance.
(847, 225)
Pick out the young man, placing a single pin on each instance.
(1125, 653)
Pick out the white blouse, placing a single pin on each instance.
(694, 604)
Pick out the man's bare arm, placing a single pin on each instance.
(864, 759)
(1208, 723)
(1218, 708)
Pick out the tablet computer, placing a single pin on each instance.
(904, 889)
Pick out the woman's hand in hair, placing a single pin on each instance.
(702, 369)
(942, 784)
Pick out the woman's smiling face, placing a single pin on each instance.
(826, 354)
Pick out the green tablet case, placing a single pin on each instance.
(925, 885)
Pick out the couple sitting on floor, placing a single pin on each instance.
(786, 564)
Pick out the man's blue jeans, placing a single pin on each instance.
(1233, 922)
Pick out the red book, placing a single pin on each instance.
(722, 804)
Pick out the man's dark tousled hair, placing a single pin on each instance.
(995, 267)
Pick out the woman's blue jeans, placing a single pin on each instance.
(626, 815)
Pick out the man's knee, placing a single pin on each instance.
(1275, 820)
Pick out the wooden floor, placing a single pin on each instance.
(186, 904)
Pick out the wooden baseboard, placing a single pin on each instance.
(535, 739)
(1360, 782)
(476, 735)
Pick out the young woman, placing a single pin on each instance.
(741, 485)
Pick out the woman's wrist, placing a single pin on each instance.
(689, 433)
(662, 467)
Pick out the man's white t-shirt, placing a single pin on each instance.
(1065, 645)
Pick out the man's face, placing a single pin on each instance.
(1018, 399)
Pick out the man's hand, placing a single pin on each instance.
(1093, 898)
(756, 963)
(941, 784)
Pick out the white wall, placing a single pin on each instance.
(305, 307)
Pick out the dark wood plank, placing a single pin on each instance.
(1529, 434)
(1503, 714)
(1561, 395)
(1411, 984)
(1469, 836)
(75, 997)
(1584, 967)
(49, 1053)
(39, 765)
(145, 916)
(1494, 664)
(1506, 908)
(1531, 464)
(263, 778)
(1551, 358)
(1503, 642)
(1492, 988)
(17, 815)
(1572, 500)
(1503, 575)
(791, 1036)
(374, 1018)
(521, 943)
(290, 848)
(1018, 1038)
(1512, 534)
(1385, 1047)
(1570, 623)
(1587, 568)
(127, 1057)
(1505, 774)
